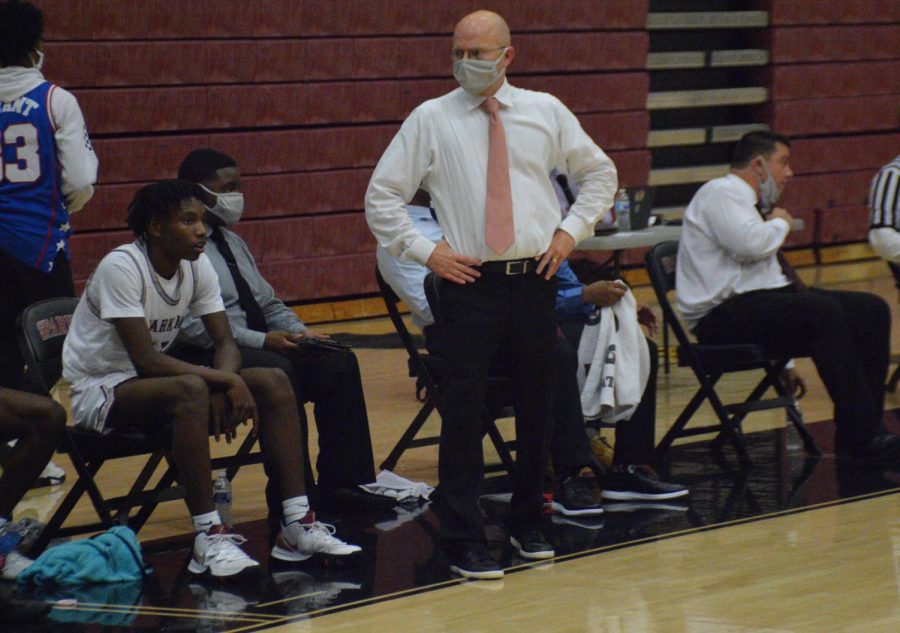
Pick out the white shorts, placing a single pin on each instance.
(92, 398)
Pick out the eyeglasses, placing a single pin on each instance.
(473, 53)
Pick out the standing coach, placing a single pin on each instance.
(483, 151)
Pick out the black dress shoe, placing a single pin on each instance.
(881, 448)
(474, 562)
(355, 499)
(531, 544)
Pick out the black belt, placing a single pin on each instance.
(509, 266)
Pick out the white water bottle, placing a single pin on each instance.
(222, 498)
(622, 206)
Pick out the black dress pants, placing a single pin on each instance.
(570, 449)
(497, 314)
(847, 334)
(20, 286)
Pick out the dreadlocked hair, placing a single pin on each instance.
(157, 200)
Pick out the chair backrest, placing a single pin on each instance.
(660, 261)
(42, 328)
(390, 301)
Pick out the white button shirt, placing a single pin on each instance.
(443, 144)
(726, 248)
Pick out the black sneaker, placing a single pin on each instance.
(476, 563)
(881, 448)
(531, 544)
(574, 497)
(635, 483)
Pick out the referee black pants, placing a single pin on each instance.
(847, 334)
(497, 314)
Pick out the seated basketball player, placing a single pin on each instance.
(114, 357)
(36, 423)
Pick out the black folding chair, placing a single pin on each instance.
(429, 369)
(42, 329)
(895, 376)
(710, 362)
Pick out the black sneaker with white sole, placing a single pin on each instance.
(474, 562)
(531, 544)
(574, 497)
(639, 483)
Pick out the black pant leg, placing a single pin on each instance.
(20, 286)
(809, 323)
(868, 319)
(332, 381)
(569, 446)
(636, 436)
(474, 325)
(533, 342)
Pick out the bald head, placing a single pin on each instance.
(482, 36)
(483, 24)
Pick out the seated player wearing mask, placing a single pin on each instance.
(269, 334)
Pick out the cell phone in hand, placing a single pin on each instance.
(322, 345)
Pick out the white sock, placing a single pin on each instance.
(205, 522)
(3, 522)
(295, 508)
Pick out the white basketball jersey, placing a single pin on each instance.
(125, 285)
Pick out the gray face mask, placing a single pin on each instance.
(228, 208)
(768, 190)
(475, 75)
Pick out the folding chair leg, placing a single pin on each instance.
(409, 435)
(809, 444)
(678, 426)
(895, 378)
(59, 517)
(137, 521)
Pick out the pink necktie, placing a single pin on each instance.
(499, 232)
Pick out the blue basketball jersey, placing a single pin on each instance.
(34, 222)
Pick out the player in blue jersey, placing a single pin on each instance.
(47, 169)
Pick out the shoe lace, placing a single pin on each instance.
(645, 469)
(321, 532)
(224, 546)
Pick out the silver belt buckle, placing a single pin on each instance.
(516, 267)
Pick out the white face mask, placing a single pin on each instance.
(768, 190)
(39, 63)
(474, 75)
(229, 207)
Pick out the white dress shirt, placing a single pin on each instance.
(726, 248)
(443, 145)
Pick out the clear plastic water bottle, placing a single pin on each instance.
(622, 206)
(222, 498)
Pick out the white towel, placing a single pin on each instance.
(400, 488)
(613, 362)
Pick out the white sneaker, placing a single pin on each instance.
(52, 475)
(219, 553)
(298, 541)
(14, 564)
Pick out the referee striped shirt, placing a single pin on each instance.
(884, 197)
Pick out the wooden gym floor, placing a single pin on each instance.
(796, 544)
